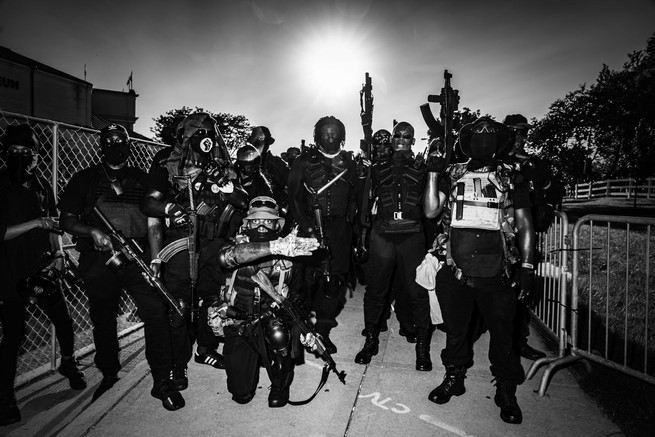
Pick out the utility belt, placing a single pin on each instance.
(412, 214)
(478, 282)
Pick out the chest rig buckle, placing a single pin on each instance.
(398, 215)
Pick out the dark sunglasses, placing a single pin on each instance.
(263, 204)
(403, 136)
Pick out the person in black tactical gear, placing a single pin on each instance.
(382, 151)
(397, 242)
(273, 167)
(487, 232)
(198, 164)
(291, 154)
(248, 168)
(117, 188)
(321, 184)
(255, 331)
(29, 252)
(537, 174)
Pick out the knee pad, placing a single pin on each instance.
(277, 336)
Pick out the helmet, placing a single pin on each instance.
(248, 160)
(484, 139)
(261, 134)
(41, 288)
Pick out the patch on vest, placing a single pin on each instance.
(477, 201)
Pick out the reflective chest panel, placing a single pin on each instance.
(319, 171)
(399, 190)
(477, 199)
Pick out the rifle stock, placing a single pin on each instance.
(132, 251)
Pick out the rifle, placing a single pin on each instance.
(129, 249)
(265, 284)
(366, 115)
(193, 255)
(449, 100)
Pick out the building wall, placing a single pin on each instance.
(115, 106)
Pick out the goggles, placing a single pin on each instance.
(20, 152)
(263, 204)
(205, 133)
(404, 136)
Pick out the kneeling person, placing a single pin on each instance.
(253, 326)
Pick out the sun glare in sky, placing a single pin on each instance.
(332, 66)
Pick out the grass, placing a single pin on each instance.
(617, 312)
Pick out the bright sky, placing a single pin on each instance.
(285, 64)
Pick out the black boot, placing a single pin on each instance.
(506, 399)
(9, 412)
(452, 385)
(68, 368)
(165, 391)
(330, 347)
(371, 347)
(107, 382)
(281, 378)
(423, 361)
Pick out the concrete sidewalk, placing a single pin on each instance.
(388, 397)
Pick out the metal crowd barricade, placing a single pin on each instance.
(551, 290)
(611, 307)
(66, 149)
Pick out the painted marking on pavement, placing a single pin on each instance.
(440, 424)
(376, 401)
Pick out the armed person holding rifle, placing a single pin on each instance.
(396, 243)
(116, 189)
(322, 201)
(196, 191)
(252, 309)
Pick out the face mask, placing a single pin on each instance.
(116, 155)
(21, 167)
(261, 234)
(483, 147)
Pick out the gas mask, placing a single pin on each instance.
(115, 149)
(247, 163)
(21, 164)
(203, 141)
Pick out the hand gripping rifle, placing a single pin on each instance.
(449, 100)
(132, 251)
(265, 284)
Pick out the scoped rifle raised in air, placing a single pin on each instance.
(449, 100)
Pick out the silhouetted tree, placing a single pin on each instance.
(234, 128)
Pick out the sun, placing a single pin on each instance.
(332, 65)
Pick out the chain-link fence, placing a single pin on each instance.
(64, 150)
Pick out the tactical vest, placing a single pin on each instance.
(399, 190)
(214, 213)
(479, 209)
(246, 295)
(335, 200)
(121, 208)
